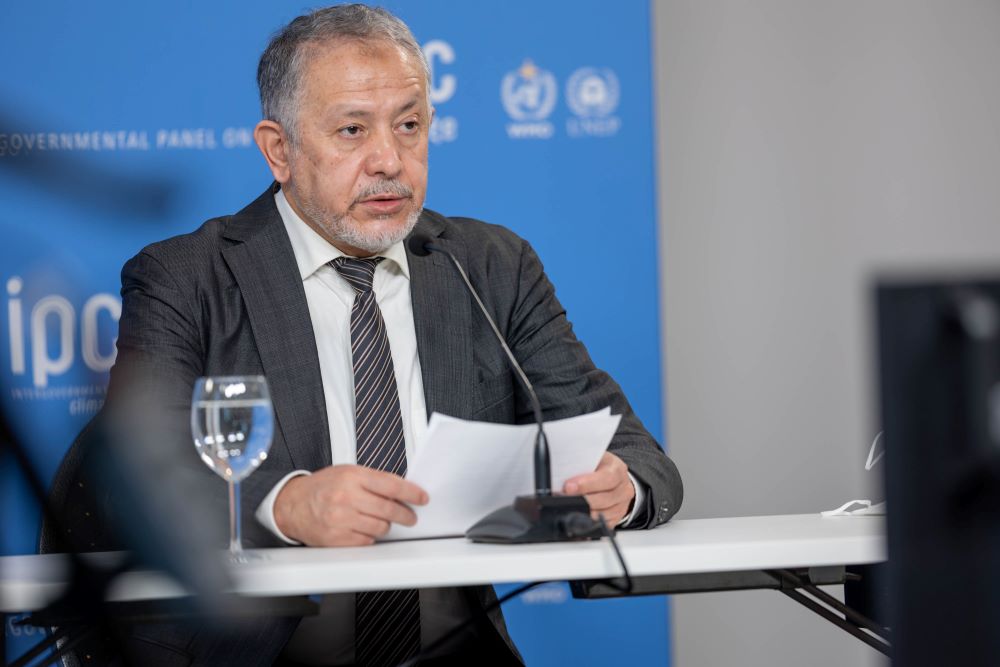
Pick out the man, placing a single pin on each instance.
(311, 285)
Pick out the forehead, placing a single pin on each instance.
(358, 67)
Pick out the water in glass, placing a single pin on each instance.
(232, 424)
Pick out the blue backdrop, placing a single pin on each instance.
(124, 123)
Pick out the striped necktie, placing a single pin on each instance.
(387, 623)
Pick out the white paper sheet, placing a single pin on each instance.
(472, 468)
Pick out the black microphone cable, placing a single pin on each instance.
(581, 525)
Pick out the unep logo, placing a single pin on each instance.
(592, 92)
(528, 93)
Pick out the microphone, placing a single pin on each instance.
(542, 517)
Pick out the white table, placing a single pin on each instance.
(792, 554)
(682, 547)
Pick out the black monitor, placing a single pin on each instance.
(939, 348)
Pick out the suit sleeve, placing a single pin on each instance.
(568, 384)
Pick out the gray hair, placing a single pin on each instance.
(279, 73)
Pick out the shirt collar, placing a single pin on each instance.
(312, 251)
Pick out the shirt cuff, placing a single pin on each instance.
(637, 504)
(265, 511)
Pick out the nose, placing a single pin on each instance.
(383, 156)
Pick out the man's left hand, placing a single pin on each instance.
(608, 489)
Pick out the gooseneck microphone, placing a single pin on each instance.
(543, 517)
(421, 245)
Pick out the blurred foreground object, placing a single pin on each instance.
(113, 491)
(939, 346)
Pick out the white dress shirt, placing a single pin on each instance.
(330, 299)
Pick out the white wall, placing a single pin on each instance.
(804, 145)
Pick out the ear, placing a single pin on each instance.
(274, 145)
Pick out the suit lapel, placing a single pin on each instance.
(441, 318)
(263, 264)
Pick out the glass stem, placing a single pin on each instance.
(235, 543)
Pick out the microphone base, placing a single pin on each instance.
(537, 519)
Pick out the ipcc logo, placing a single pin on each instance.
(592, 92)
(54, 314)
(442, 86)
(528, 93)
(439, 55)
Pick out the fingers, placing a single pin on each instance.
(595, 482)
(607, 500)
(347, 539)
(370, 526)
(385, 509)
(393, 487)
(345, 505)
(611, 472)
(608, 490)
(601, 480)
(352, 529)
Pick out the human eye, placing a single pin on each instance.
(350, 131)
(411, 126)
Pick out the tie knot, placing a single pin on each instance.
(358, 272)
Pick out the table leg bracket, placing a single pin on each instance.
(801, 585)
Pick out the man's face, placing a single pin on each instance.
(358, 171)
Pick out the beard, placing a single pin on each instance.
(345, 229)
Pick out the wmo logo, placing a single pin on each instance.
(529, 95)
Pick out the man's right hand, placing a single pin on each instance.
(345, 505)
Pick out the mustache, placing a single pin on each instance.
(389, 186)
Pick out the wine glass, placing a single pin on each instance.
(232, 424)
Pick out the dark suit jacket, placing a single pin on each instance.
(227, 299)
